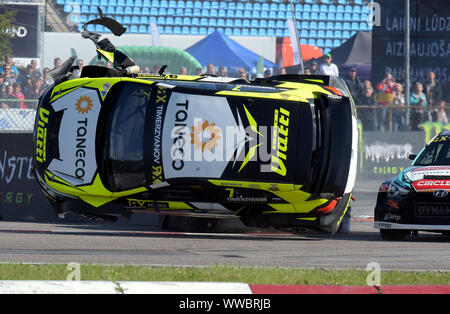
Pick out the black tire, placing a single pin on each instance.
(344, 228)
(393, 235)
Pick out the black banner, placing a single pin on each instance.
(429, 40)
(25, 29)
(20, 195)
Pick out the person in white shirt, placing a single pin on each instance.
(329, 68)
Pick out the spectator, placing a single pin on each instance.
(267, 73)
(442, 113)
(2, 87)
(36, 71)
(242, 73)
(77, 72)
(433, 89)
(156, 69)
(27, 86)
(402, 80)
(222, 71)
(17, 94)
(37, 88)
(9, 60)
(10, 78)
(386, 89)
(48, 81)
(29, 71)
(282, 71)
(57, 62)
(398, 114)
(328, 67)
(9, 95)
(307, 71)
(183, 70)
(368, 115)
(210, 69)
(418, 99)
(314, 68)
(146, 69)
(354, 84)
(198, 71)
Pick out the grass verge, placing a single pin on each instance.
(217, 273)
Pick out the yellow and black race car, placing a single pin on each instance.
(279, 151)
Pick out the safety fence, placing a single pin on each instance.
(391, 118)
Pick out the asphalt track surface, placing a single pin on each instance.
(111, 244)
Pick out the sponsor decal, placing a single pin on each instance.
(16, 197)
(431, 185)
(441, 210)
(84, 104)
(14, 167)
(157, 173)
(41, 135)
(205, 131)
(280, 141)
(384, 187)
(392, 217)
(392, 203)
(243, 199)
(137, 203)
(77, 163)
(442, 138)
(440, 193)
(80, 152)
(194, 141)
(179, 141)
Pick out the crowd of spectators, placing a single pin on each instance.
(22, 84)
(384, 106)
(380, 107)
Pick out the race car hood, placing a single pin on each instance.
(71, 119)
(429, 178)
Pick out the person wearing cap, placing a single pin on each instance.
(354, 84)
(328, 67)
(314, 68)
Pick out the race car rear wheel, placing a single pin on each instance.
(394, 235)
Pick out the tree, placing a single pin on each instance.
(6, 26)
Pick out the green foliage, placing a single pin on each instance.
(6, 23)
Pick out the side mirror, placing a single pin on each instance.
(412, 156)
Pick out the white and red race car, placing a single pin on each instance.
(418, 198)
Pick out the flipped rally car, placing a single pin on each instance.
(418, 198)
(278, 151)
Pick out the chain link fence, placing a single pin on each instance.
(13, 119)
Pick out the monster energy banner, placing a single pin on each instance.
(20, 195)
(382, 157)
(25, 29)
(430, 40)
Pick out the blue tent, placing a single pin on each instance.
(219, 49)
